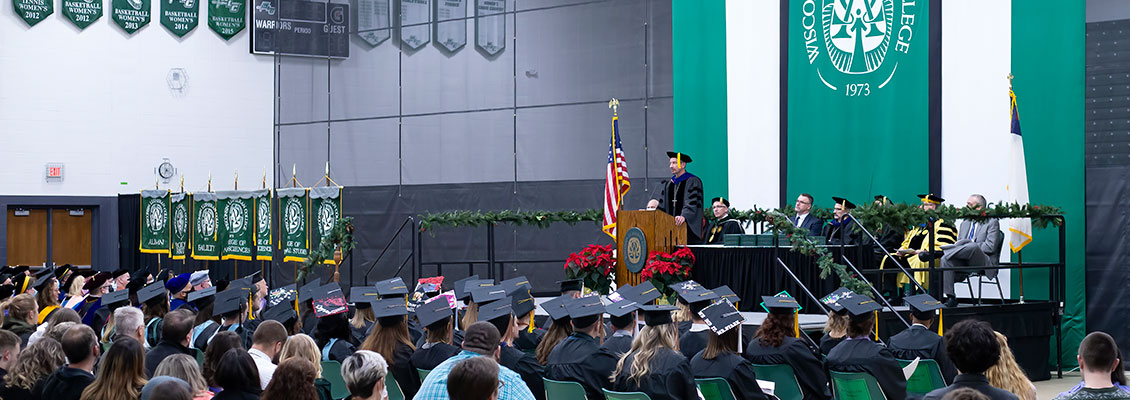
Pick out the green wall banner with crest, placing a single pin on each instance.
(237, 233)
(264, 238)
(180, 222)
(180, 16)
(858, 104)
(205, 227)
(131, 15)
(325, 208)
(154, 221)
(294, 207)
(33, 11)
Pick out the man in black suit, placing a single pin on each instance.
(802, 219)
(918, 340)
(974, 348)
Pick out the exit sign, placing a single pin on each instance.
(54, 172)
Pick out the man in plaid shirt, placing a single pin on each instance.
(481, 339)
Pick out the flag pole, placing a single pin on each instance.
(614, 104)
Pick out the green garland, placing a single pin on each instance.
(801, 243)
(340, 235)
(540, 219)
(906, 216)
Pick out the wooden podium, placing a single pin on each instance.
(660, 231)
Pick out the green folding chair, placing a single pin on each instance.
(926, 378)
(200, 357)
(393, 388)
(562, 390)
(855, 386)
(715, 389)
(423, 373)
(331, 371)
(610, 395)
(786, 386)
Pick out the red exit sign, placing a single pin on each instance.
(54, 172)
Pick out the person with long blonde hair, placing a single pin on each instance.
(1007, 375)
(654, 365)
(390, 339)
(21, 315)
(32, 366)
(75, 295)
(834, 331)
(303, 346)
(561, 328)
(121, 374)
(184, 367)
(721, 359)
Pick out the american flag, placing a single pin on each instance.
(616, 181)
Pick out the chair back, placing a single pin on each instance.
(786, 387)
(855, 386)
(563, 390)
(715, 389)
(423, 373)
(199, 357)
(610, 395)
(392, 387)
(331, 371)
(927, 377)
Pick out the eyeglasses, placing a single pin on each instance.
(719, 206)
(802, 202)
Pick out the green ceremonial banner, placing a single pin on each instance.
(33, 11)
(227, 17)
(131, 15)
(237, 233)
(82, 13)
(205, 227)
(154, 221)
(294, 210)
(858, 103)
(180, 16)
(180, 221)
(325, 207)
(264, 238)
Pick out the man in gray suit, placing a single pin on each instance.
(978, 244)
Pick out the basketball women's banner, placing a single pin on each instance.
(325, 203)
(227, 17)
(154, 221)
(131, 15)
(294, 207)
(264, 222)
(205, 227)
(180, 222)
(237, 234)
(82, 13)
(180, 16)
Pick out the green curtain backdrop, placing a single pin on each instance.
(1048, 68)
(699, 54)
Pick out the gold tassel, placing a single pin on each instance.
(530, 329)
(796, 325)
(250, 298)
(941, 331)
(876, 325)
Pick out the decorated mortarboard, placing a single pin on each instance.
(460, 285)
(555, 307)
(931, 198)
(119, 272)
(859, 305)
(522, 303)
(389, 308)
(229, 301)
(657, 315)
(495, 309)
(306, 292)
(153, 290)
(203, 294)
(364, 296)
(721, 317)
(844, 203)
(286, 294)
(391, 287)
(685, 286)
(116, 299)
(780, 304)
(433, 311)
(177, 283)
(329, 300)
(95, 281)
(923, 306)
(487, 294)
(282, 314)
(569, 285)
(7, 291)
(724, 292)
(832, 300)
(681, 156)
(723, 200)
(515, 284)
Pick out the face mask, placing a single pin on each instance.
(384, 394)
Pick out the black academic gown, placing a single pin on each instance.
(796, 353)
(863, 355)
(579, 358)
(736, 370)
(718, 229)
(682, 196)
(403, 370)
(340, 350)
(528, 341)
(525, 365)
(669, 377)
(427, 357)
(684, 327)
(827, 343)
(619, 343)
(205, 336)
(846, 232)
(359, 334)
(693, 342)
(917, 341)
(415, 332)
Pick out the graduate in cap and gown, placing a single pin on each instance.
(529, 335)
(231, 305)
(436, 315)
(722, 356)
(836, 328)
(96, 286)
(858, 353)
(842, 229)
(777, 341)
(362, 321)
(391, 340)
(46, 293)
(579, 357)
(154, 304)
(306, 306)
(499, 312)
(918, 341)
(698, 335)
(722, 224)
(395, 288)
(681, 196)
(334, 334)
(623, 312)
(654, 366)
(110, 302)
(556, 332)
(206, 324)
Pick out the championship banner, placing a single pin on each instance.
(227, 17)
(490, 25)
(325, 205)
(131, 15)
(237, 233)
(205, 227)
(181, 218)
(264, 221)
(415, 18)
(33, 11)
(451, 24)
(154, 221)
(294, 208)
(180, 16)
(82, 13)
(374, 21)
(846, 61)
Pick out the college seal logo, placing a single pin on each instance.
(635, 250)
(293, 216)
(263, 214)
(156, 215)
(180, 220)
(206, 220)
(235, 217)
(327, 216)
(855, 45)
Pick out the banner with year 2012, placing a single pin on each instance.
(205, 227)
(237, 233)
(294, 212)
(154, 222)
(325, 206)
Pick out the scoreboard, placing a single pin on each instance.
(300, 28)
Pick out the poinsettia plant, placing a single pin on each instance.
(664, 270)
(593, 266)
